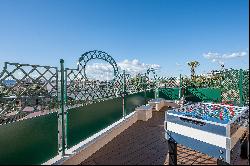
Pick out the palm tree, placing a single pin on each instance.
(193, 65)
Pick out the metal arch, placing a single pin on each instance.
(95, 54)
(81, 90)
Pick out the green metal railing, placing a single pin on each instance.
(51, 109)
(229, 85)
(28, 113)
(61, 107)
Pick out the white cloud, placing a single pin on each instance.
(221, 58)
(101, 71)
(135, 66)
(104, 71)
(178, 64)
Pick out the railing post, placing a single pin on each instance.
(241, 87)
(145, 87)
(180, 88)
(156, 88)
(123, 95)
(157, 92)
(61, 114)
(221, 75)
(65, 109)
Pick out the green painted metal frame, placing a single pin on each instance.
(62, 131)
(79, 102)
(27, 93)
(180, 88)
(28, 87)
(122, 86)
(233, 84)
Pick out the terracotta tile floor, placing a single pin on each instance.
(144, 143)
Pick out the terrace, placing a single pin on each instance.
(144, 143)
(81, 121)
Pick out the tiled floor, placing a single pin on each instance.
(144, 143)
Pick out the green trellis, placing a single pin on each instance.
(245, 87)
(233, 84)
(27, 89)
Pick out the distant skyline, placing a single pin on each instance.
(164, 34)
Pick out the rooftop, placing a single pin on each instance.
(144, 143)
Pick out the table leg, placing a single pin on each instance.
(172, 146)
(244, 149)
(221, 162)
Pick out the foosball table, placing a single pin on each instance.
(213, 129)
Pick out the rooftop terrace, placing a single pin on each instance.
(144, 143)
(62, 113)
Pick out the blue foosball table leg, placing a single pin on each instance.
(172, 150)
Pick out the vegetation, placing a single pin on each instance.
(193, 65)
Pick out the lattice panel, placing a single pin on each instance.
(171, 82)
(133, 85)
(26, 89)
(230, 86)
(246, 86)
(212, 80)
(119, 87)
(139, 83)
(228, 80)
(82, 90)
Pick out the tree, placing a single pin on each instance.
(193, 65)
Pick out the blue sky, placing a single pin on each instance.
(164, 32)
